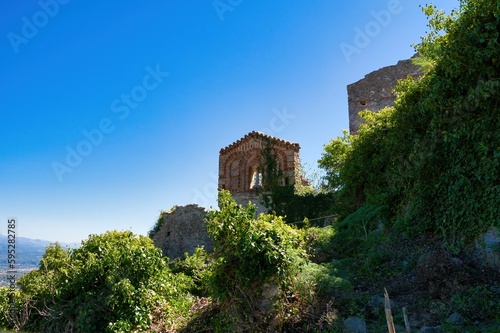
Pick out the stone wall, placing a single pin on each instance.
(375, 91)
(242, 198)
(182, 231)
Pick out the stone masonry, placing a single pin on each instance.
(375, 91)
(239, 165)
(183, 230)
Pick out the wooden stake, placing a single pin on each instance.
(407, 322)
(388, 313)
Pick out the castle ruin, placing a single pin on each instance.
(182, 231)
(375, 91)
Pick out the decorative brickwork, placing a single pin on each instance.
(239, 165)
(375, 91)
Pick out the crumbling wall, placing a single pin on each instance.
(183, 230)
(375, 91)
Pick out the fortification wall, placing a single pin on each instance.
(375, 91)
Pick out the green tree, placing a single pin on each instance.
(333, 160)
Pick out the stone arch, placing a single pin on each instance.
(240, 164)
(252, 170)
(234, 172)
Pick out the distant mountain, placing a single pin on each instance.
(29, 251)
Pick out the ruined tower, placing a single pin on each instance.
(375, 91)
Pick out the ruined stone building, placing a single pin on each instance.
(240, 163)
(182, 230)
(375, 91)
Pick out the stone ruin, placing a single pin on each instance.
(182, 231)
(183, 228)
(240, 163)
(375, 91)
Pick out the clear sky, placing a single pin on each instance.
(113, 111)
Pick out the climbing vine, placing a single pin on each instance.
(434, 158)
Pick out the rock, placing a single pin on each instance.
(377, 303)
(455, 319)
(267, 297)
(488, 249)
(428, 329)
(355, 325)
(457, 261)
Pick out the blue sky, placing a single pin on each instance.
(114, 111)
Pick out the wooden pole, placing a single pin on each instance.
(388, 313)
(407, 322)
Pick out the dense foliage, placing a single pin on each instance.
(113, 282)
(292, 200)
(429, 166)
(250, 254)
(433, 159)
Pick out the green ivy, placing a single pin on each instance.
(289, 198)
(433, 159)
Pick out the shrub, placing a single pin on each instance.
(194, 266)
(433, 158)
(319, 243)
(353, 231)
(322, 280)
(479, 303)
(111, 283)
(251, 256)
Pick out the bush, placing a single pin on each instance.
(433, 158)
(112, 283)
(194, 266)
(255, 261)
(14, 309)
(479, 303)
(323, 281)
(319, 243)
(353, 231)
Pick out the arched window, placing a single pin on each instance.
(255, 178)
